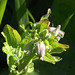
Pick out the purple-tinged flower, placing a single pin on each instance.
(52, 29)
(41, 50)
(57, 32)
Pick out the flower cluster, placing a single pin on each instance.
(40, 41)
(42, 46)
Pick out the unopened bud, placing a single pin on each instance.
(41, 50)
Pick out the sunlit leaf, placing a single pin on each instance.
(43, 24)
(2, 9)
(57, 50)
(52, 39)
(47, 15)
(56, 44)
(46, 43)
(11, 35)
(57, 59)
(23, 27)
(31, 68)
(51, 59)
(9, 50)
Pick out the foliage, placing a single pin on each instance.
(2, 8)
(40, 41)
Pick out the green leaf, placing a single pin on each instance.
(29, 48)
(29, 13)
(5, 47)
(57, 50)
(21, 12)
(12, 60)
(46, 43)
(25, 42)
(51, 59)
(65, 23)
(47, 15)
(43, 24)
(32, 25)
(2, 9)
(9, 50)
(57, 59)
(30, 68)
(23, 27)
(56, 44)
(25, 61)
(43, 34)
(11, 36)
(13, 56)
(52, 39)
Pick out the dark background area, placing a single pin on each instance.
(61, 10)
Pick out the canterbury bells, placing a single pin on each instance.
(41, 50)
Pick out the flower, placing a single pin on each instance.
(57, 32)
(41, 50)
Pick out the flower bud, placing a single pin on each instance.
(41, 50)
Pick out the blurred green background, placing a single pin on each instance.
(15, 12)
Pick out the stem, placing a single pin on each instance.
(26, 70)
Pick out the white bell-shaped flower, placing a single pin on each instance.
(41, 50)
